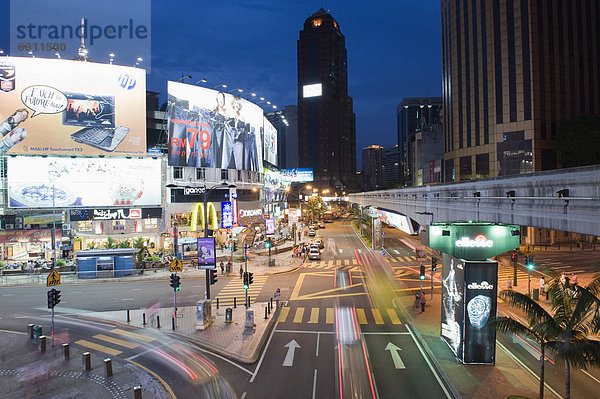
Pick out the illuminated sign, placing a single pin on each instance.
(299, 175)
(206, 253)
(193, 190)
(198, 212)
(315, 90)
(250, 212)
(44, 182)
(480, 241)
(270, 226)
(113, 214)
(484, 285)
(208, 130)
(226, 214)
(270, 142)
(63, 107)
(400, 222)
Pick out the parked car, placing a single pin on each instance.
(311, 233)
(314, 253)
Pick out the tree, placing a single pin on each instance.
(110, 243)
(578, 141)
(124, 244)
(316, 206)
(140, 243)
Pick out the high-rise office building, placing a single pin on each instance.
(372, 174)
(390, 161)
(326, 122)
(513, 71)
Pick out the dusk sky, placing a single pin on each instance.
(394, 51)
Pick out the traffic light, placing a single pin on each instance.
(53, 298)
(422, 275)
(529, 262)
(175, 282)
(56, 296)
(434, 264)
(245, 280)
(234, 247)
(213, 276)
(268, 243)
(250, 278)
(514, 257)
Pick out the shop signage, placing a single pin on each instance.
(484, 285)
(15, 236)
(226, 214)
(194, 190)
(114, 213)
(250, 212)
(479, 241)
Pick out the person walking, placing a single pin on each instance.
(574, 280)
(276, 295)
(542, 285)
(417, 300)
(241, 271)
(422, 301)
(222, 268)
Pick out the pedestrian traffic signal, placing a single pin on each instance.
(514, 257)
(529, 262)
(268, 243)
(245, 280)
(175, 282)
(250, 278)
(234, 247)
(53, 298)
(213, 276)
(422, 275)
(434, 264)
(56, 296)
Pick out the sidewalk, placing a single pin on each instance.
(27, 373)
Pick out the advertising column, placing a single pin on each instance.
(453, 275)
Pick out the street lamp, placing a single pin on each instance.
(183, 77)
(224, 86)
(201, 81)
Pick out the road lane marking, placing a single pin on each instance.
(341, 250)
(347, 262)
(98, 347)
(314, 315)
(393, 316)
(8, 294)
(329, 316)
(317, 350)
(128, 299)
(136, 289)
(377, 316)
(398, 363)
(314, 385)
(299, 315)
(591, 376)
(116, 341)
(158, 377)
(289, 356)
(77, 292)
(360, 314)
(396, 252)
(133, 335)
(283, 314)
(305, 332)
(264, 352)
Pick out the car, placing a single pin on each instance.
(314, 254)
(321, 225)
(319, 242)
(311, 233)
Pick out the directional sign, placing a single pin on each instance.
(289, 357)
(53, 279)
(176, 265)
(420, 255)
(398, 363)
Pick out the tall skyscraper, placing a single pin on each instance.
(513, 71)
(326, 122)
(372, 175)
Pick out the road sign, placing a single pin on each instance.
(53, 279)
(528, 250)
(383, 233)
(176, 265)
(420, 255)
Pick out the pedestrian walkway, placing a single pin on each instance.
(235, 289)
(315, 315)
(330, 264)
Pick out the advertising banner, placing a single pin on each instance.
(77, 215)
(212, 129)
(270, 139)
(270, 226)
(480, 299)
(35, 182)
(206, 253)
(299, 175)
(400, 222)
(226, 214)
(29, 235)
(45, 218)
(453, 275)
(63, 107)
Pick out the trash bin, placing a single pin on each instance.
(228, 313)
(37, 332)
(536, 294)
(272, 262)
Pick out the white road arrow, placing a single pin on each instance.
(396, 252)
(398, 363)
(289, 357)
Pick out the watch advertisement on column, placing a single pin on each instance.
(481, 288)
(453, 274)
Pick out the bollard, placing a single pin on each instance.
(128, 318)
(30, 331)
(234, 304)
(269, 306)
(173, 323)
(108, 367)
(266, 308)
(271, 302)
(137, 392)
(144, 318)
(86, 360)
(43, 343)
(66, 353)
(157, 321)
(217, 303)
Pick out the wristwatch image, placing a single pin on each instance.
(478, 310)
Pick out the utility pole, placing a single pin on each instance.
(246, 270)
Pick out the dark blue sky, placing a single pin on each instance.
(394, 51)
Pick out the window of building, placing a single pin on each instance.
(482, 166)
(151, 223)
(200, 173)
(224, 174)
(449, 170)
(85, 226)
(465, 168)
(118, 225)
(177, 172)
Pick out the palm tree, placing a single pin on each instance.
(140, 243)
(539, 327)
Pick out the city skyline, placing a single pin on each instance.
(400, 40)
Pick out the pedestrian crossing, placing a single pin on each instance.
(407, 259)
(235, 289)
(301, 315)
(111, 345)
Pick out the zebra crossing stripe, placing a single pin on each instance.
(362, 317)
(283, 315)
(329, 316)
(314, 316)
(98, 347)
(377, 316)
(299, 315)
(393, 316)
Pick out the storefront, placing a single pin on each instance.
(23, 245)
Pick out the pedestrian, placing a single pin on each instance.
(509, 284)
(574, 281)
(276, 296)
(417, 300)
(422, 301)
(546, 292)
(563, 278)
(228, 267)
(222, 268)
(241, 271)
(542, 284)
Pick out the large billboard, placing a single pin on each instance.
(270, 139)
(212, 129)
(401, 222)
(62, 107)
(453, 281)
(44, 182)
(299, 175)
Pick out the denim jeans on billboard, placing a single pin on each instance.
(178, 151)
(200, 157)
(251, 161)
(233, 145)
